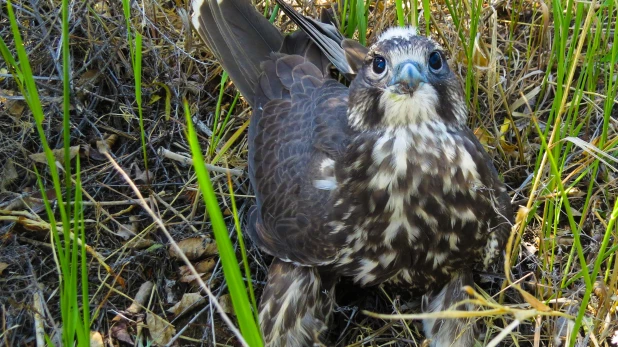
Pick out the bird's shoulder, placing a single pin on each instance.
(299, 129)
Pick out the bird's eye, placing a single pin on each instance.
(435, 61)
(379, 65)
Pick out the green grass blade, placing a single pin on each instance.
(400, 16)
(243, 249)
(231, 271)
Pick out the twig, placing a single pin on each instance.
(103, 149)
(187, 161)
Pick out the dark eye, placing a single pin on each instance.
(379, 65)
(435, 61)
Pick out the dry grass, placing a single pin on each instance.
(127, 248)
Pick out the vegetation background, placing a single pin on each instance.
(110, 112)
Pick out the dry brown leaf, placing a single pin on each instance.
(3, 267)
(89, 77)
(202, 267)
(522, 213)
(102, 8)
(478, 55)
(140, 298)
(188, 301)
(143, 176)
(188, 278)
(16, 108)
(139, 243)
(205, 265)
(120, 332)
(161, 331)
(126, 231)
(58, 154)
(484, 137)
(8, 174)
(96, 339)
(534, 302)
(226, 303)
(195, 248)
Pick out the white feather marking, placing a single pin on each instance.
(400, 152)
(325, 184)
(387, 258)
(364, 275)
(290, 298)
(468, 166)
(379, 153)
(393, 32)
(439, 259)
(382, 180)
(402, 110)
(453, 240)
(327, 163)
(195, 19)
(327, 180)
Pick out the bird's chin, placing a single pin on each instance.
(404, 90)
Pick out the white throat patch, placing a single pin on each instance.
(401, 110)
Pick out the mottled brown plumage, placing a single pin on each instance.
(379, 182)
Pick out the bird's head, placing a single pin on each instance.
(403, 80)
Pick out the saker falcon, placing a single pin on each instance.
(379, 182)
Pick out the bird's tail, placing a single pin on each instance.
(239, 36)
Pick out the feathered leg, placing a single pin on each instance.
(450, 332)
(296, 305)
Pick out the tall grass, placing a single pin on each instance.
(135, 51)
(244, 309)
(586, 23)
(70, 259)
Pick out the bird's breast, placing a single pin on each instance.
(409, 200)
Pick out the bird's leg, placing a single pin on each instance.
(296, 305)
(450, 332)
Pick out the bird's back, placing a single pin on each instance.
(299, 123)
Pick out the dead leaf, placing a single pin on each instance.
(89, 77)
(126, 231)
(120, 332)
(478, 54)
(139, 243)
(188, 278)
(140, 298)
(226, 303)
(96, 339)
(102, 9)
(3, 267)
(484, 137)
(522, 214)
(206, 265)
(143, 176)
(195, 248)
(188, 301)
(8, 175)
(16, 108)
(161, 331)
(534, 302)
(58, 154)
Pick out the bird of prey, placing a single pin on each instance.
(381, 182)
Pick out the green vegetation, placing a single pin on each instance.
(540, 81)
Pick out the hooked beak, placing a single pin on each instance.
(407, 78)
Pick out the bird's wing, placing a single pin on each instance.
(346, 55)
(298, 127)
(501, 219)
(239, 36)
(298, 130)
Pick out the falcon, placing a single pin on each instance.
(381, 182)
